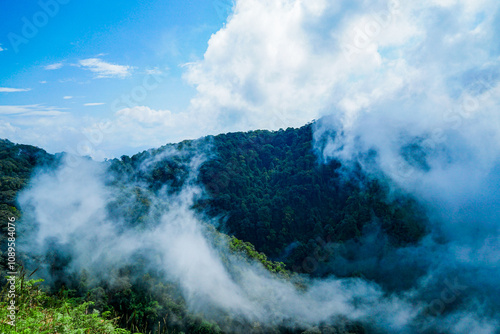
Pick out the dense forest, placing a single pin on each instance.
(274, 193)
(266, 195)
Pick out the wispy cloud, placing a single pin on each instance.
(30, 110)
(154, 70)
(54, 66)
(13, 90)
(94, 104)
(68, 97)
(1, 49)
(104, 69)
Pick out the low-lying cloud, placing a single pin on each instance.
(69, 211)
(436, 135)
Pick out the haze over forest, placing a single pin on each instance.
(291, 166)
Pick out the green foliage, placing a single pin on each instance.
(270, 191)
(248, 249)
(16, 165)
(273, 193)
(36, 312)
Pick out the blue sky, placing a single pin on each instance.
(143, 35)
(126, 39)
(106, 78)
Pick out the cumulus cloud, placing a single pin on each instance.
(13, 90)
(437, 84)
(7, 130)
(103, 69)
(305, 59)
(291, 67)
(258, 71)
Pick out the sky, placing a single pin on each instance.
(110, 78)
(64, 63)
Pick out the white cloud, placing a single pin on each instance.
(94, 104)
(54, 66)
(50, 128)
(284, 63)
(279, 64)
(144, 114)
(43, 82)
(67, 97)
(13, 90)
(103, 69)
(1, 49)
(154, 70)
(187, 252)
(142, 126)
(7, 130)
(30, 110)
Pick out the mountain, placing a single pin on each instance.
(272, 191)
(265, 194)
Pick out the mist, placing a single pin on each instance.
(87, 230)
(435, 137)
(68, 210)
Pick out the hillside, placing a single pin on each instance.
(17, 163)
(265, 188)
(273, 192)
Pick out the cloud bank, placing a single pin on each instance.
(89, 229)
(286, 63)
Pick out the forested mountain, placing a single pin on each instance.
(17, 163)
(265, 189)
(273, 192)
